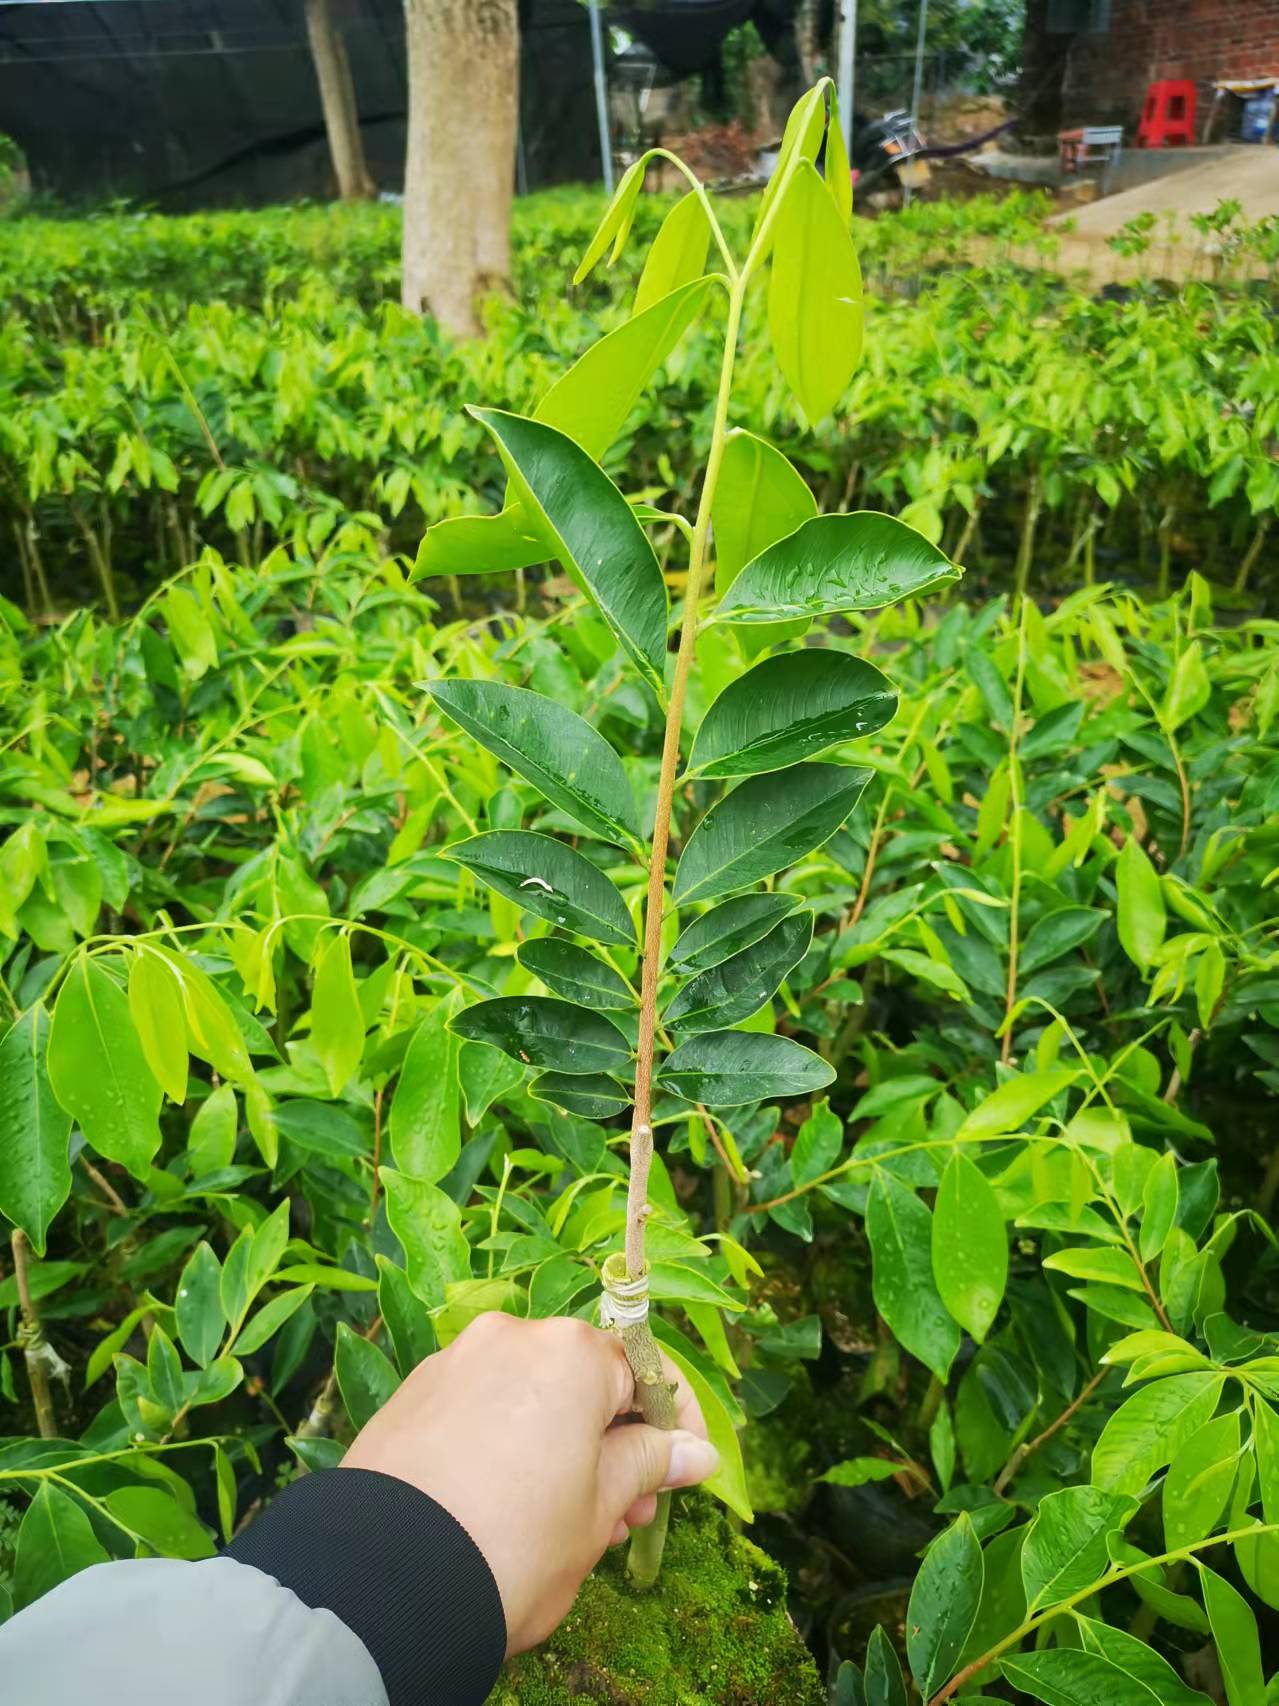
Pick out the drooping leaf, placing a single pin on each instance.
(425, 1123)
(1234, 1629)
(815, 295)
(766, 824)
(729, 1480)
(726, 1069)
(574, 973)
(943, 1604)
(549, 878)
(543, 1031)
(791, 707)
(1148, 1429)
(1142, 917)
(337, 1020)
(727, 929)
(899, 1227)
(155, 1006)
(969, 1247)
(615, 225)
(592, 1096)
(1067, 1544)
(1069, 1676)
(834, 563)
(739, 986)
(677, 254)
(428, 1224)
(552, 747)
(35, 1174)
(366, 1376)
(55, 1541)
(98, 1070)
(593, 533)
(1197, 1486)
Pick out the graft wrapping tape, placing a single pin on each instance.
(624, 1303)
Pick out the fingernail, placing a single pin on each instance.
(692, 1460)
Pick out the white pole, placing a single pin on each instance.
(844, 67)
(919, 61)
(601, 97)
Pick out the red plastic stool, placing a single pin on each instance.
(1168, 115)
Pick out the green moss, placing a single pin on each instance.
(778, 1476)
(715, 1631)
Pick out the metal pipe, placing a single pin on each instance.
(919, 61)
(846, 64)
(601, 97)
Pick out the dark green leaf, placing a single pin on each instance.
(570, 971)
(899, 1228)
(727, 929)
(738, 987)
(366, 1377)
(943, 1604)
(832, 563)
(198, 1305)
(766, 824)
(1056, 934)
(1140, 1661)
(885, 1684)
(791, 707)
(428, 1224)
(592, 1096)
(406, 1317)
(1068, 1544)
(550, 746)
(725, 1069)
(542, 1031)
(1234, 1629)
(1067, 1676)
(548, 878)
(55, 1541)
(35, 1175)
(592, 531)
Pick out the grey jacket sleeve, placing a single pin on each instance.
(351, 1589)
(216, 1633)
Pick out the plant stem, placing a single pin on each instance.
(34, 1344)
(1030, 521)
(1015, 802)
(1014, 1463)
(1252, 553)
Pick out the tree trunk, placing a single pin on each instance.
(337, 97)
(458, 178)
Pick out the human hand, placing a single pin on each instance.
(519, 1429)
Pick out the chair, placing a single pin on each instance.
(1168, 115)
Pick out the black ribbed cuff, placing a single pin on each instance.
(398, 1570)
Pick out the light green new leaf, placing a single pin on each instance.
(788, 708)
(1148, 1429)
(943, 1604)
(766, 824)
(593, 532)
(740, 985)
(815, 308)
(727, 929)
(98, 1070)
(366, 1376)
(548, 877)
(543, 1031)
(1069, 1676)
(1140, 1661)
(1016, 1101)
(729, 1480)
(801, 140)
(198, 1305)
(156, 1007)
(615, 226)
(570, 971)
(428, 1224)
(1197, 1486)
(900, 1228)
(158, 1519)
(834, 563)
(270, 1318)
(725, 1069)
(1234, 1629)
(857, 1471)
(759, 498)
(55, 1541)
(552, 747)
(1067, 1546)
(1159, 1206)
(425, 1123)
(1188, 691)
(337, 1020)
(35, 1174)
(1099, 1266)
(839, 178)
(677, 254)
(969, 1247)
(1210, 980)
(1141, 915)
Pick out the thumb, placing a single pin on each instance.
(637, 1459)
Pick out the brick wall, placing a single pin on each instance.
(1205, 40)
